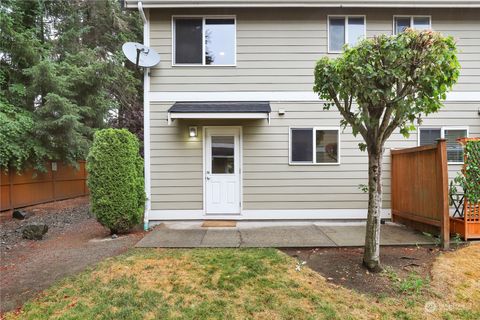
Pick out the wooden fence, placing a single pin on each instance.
(29, 188)
(420, 189)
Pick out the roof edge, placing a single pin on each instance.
(304, 4)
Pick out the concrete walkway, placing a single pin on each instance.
(275, 234)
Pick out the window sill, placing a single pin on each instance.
(206, 65)
(313, 164)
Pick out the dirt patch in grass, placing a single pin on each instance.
(232, 284)
(343, 266)
(207, 284)
(28, 267)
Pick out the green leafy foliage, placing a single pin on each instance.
(62, 70)
(115, 179)
(392, 80)
(469, 179)
(18, 144)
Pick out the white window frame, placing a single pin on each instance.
(394, 29)
(314, 141)
(442, 135)
(203, 64)
(346, 17)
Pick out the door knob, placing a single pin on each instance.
(207, 178)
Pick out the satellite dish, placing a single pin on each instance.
(141, 55)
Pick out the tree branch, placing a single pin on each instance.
(348, 115)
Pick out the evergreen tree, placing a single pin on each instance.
(62, 76)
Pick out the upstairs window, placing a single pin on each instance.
(454, 149)
(345, 30)
(415, 22)
(204, 41)
(314, 146)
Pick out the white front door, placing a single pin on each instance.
(222, 170)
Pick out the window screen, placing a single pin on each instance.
(421, 23)
(220, 41)
(326, 146)
(337, 34)
(429, 136)
(401, 23)
(188, 41)
(356, 30)
(454, 149)
(302, 145)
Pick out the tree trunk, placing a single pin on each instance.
(371, 256)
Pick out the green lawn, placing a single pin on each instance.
(216, 284)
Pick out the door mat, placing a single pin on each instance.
(219, 224)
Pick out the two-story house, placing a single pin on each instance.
(232, 127)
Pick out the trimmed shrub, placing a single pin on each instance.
(115, 179)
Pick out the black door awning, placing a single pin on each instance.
(220, 110)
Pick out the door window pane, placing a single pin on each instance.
(429, 136)
(327, 146)
(401, 23)
(356, 30)
(223, 151)
(219, 41)
(337, 34)
(454, 149)
(188, 41)
(302, 145)
(421, 23)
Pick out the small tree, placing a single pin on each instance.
(115, 179)
(380, 85)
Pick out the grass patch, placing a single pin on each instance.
(414, 284)
(220, 284)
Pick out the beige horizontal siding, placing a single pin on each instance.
(269, 182)
(277, 49)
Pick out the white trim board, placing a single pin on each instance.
(320, 214)
(146, 120)
(307, 4)
(173, 96)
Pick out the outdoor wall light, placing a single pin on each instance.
(192, 132)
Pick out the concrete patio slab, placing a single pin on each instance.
(390, 234)
(265, 234)
(345, 236)
(393, 234)
(221, 238)
(168, 238)
(289, 236)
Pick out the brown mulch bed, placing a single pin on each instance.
(343, 266)
(74, 241)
